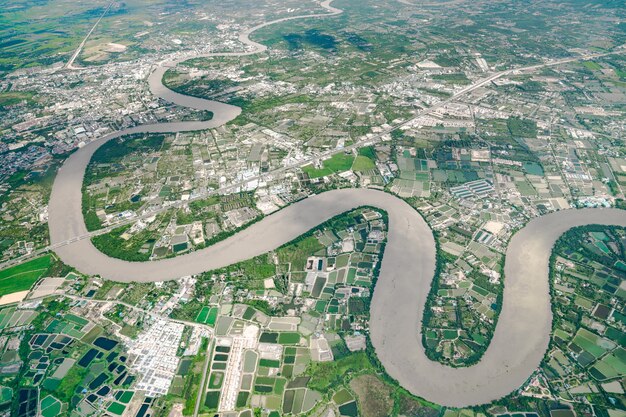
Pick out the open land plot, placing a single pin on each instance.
(22, 277)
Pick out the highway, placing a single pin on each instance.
(70, 63)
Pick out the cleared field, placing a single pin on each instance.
(375, 397)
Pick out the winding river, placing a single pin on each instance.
(523, 330)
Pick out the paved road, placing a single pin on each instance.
(70, 63)
(522, 333)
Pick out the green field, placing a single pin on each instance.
(589, 342)
(212, 399)
(342, 396)
(368, 151)
(602, 246)
(208, 315)
(351, 275)
(6, 394)
(22, 277)
(116, 408)
(14, 97)
(450, 334)
(337, 163)
(50, 407)
(216, 379)
(269, 363)
(592, 65)
(363, 163)
(327, 375)
(289, 338)
(125, 396)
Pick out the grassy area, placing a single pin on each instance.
(289, 338)
(376, 398)
(193, 380)
(22, 277)
(115, 246)
(257, 268)
(116, 408)
(6, 394)
(337, 163)
(368, 151)
(65, 391)
(298, 253)
(363, 163)
(521, 127)
(594, 66)
(14, 97)
(325, 375)
(455, 78)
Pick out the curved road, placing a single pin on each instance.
(523, 330)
